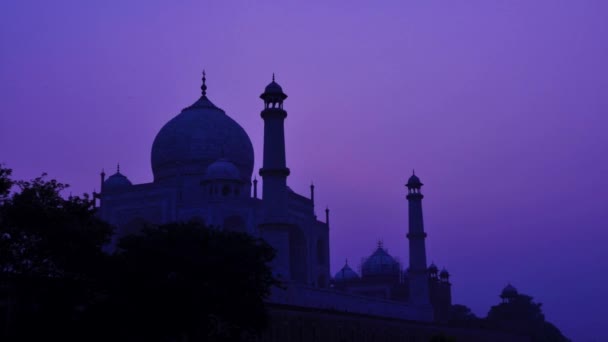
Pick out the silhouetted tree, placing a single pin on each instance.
(462, 316)
(43, 234)
(522, 315)
(6, 183)
(49, 247)
(182, 281)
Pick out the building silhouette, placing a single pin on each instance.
(203, 160)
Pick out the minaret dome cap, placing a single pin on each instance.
(414, 181)
(273, 91)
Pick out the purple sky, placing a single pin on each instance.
(500, 106)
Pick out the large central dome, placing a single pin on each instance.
(200, 135)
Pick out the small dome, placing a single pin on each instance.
(273, 92)
(444, 274)
(273, 88)
(346, 274)
(117, 181)
(414, 181)
(509, 291)
(222, 170)
(380, 263)
(433, 268)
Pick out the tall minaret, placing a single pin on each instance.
(419, 286)
(274, 226)
(274, 171)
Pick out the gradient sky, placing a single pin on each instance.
(500, 106)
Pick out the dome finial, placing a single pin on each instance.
(204, 86)
(273, 77)
(413, 172)
(118, 168)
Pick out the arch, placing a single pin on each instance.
(235, 223)
(298, 255)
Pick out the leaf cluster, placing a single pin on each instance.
(43, 234)
(171, 282)
(520, 315)
(184, 278)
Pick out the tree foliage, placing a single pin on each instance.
(170, 283)
(44, 234)
(522, 315)
(6, 183)
(184, 279)
(462, 316)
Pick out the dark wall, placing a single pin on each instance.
(296, 324)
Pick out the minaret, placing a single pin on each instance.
(255, 188)
(274, 171)
(419, 286)
(275, 226)
(312, 199)
(97, 195)
(103, 179)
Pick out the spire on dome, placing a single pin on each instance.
(204, 86)
(118, 168)
(273, 77)
(203, 101)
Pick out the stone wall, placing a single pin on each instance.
(298, 324)
(327, 299)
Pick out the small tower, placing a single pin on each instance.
(103, 179)
(444, 276)
(276, 227)
(508, 293)
(433, 271)
(274, 171)
(255, 188)
(419, 286)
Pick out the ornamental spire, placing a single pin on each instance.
(204, 86)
